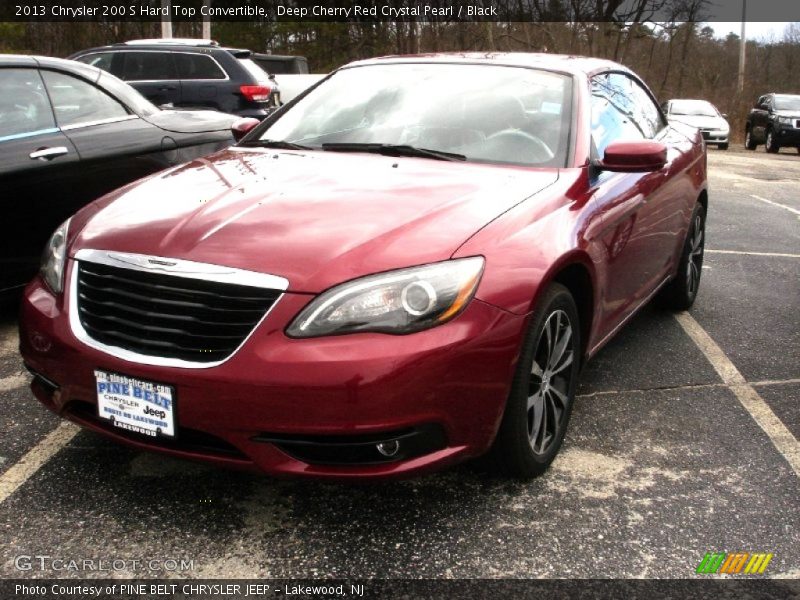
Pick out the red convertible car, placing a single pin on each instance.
(404, 267)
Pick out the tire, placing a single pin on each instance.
(723, 146)
(680, 293)
(770, 144)
(543, 389)
(749, 143)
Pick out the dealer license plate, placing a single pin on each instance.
(136, 405)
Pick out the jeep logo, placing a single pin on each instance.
(155, 413)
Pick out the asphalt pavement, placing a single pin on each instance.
(669, 456)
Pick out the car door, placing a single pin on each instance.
(36, 161)
(760, 118)
(153, 74)
(638, 211)
(115, 146)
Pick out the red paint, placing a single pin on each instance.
(319, 219)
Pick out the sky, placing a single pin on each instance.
(753, 30)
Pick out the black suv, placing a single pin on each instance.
(775, 122)
(189, 73)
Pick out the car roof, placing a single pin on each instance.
(564, 63)
(167, 46)
(71, 66)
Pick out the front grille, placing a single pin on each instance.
(162, 315)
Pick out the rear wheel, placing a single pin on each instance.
(749, 143)
(543, 391)
(771, 144)
(680, 293)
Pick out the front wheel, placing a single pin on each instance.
(680, 293)
(771, 145)
(749, 143)
(543, 390)
(723, 146)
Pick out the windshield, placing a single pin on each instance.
(787, 102)
(694, 108)
(489, 114)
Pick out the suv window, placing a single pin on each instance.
(24, 107)
(75, 101)
(148, 66)
(197, 66)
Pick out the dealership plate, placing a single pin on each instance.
(136, 405)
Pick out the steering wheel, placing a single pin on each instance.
(513, 145)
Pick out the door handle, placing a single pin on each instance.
(167, 88)
(48, 153)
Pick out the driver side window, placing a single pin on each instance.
(622, 110)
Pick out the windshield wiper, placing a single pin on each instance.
(392, 150)
(280, 144)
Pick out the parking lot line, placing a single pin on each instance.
(775, 254)
(36, 457)
(747, 395)
(789, 208)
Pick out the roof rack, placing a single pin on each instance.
(171, 42)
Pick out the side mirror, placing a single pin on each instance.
(634, 156)
(724, 115)
(241, 127)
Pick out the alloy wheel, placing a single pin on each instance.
(551, 373)
(696, 244)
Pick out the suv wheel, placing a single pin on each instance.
(771, 145)
(749, 143)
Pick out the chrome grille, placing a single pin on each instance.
(167, 316)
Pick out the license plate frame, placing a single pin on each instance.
(135, 405)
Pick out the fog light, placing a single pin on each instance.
(40, 342)
(388, 448)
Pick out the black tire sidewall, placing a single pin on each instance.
(512, 446)
(676, 294)
(773, 147)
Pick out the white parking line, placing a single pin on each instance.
(777, 432)
(776, 254)
(37, 456)
(789, 208)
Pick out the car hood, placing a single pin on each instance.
(191, 121)
(700, 121)
(315, 218)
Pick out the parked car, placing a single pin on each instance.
(405, 268)
(775, 122)
(189, 73)
(277, 64)
(69, 133)
(290, 73)
(713, 125)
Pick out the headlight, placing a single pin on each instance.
(401, 301)
(785, 120)
(54, 257)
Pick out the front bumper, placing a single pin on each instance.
(355, 389)
(787, 136)
(715, 137)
